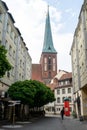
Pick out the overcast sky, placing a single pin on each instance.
(30, 16)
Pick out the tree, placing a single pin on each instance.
(23, 91)
(4, 64)
(31, 92)
(43, 94)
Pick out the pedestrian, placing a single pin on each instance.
(62, 113)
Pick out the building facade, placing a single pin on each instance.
(17, 52)
(79, 63)
(62, 91)
(63, 88)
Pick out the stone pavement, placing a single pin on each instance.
(70, 123)
(74, 124)
(46, 124)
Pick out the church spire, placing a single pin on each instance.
(48, 41)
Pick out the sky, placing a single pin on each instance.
(30, 17)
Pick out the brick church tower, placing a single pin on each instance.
(48, 58)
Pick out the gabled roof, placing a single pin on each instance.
(48, 41)
(66, 76)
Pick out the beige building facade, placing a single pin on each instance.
(17, 52)
(63, 88)
(79, 62)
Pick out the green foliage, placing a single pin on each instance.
(22, 90)
(4, 64)
(43, 94)
(31, 92)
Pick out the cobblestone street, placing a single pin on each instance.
(49, 123)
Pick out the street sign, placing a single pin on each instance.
(12, 101)
(11, 105)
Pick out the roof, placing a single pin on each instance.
(5, 5)
(52, 86)
(66, 76)
(10, 15)
(48, 41)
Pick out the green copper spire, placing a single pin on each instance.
(48, 42)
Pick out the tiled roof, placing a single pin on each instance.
(66, 76)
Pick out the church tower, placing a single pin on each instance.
(48, 58)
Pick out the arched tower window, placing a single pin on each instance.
(45, 63)
(49, 63)
(54, 64)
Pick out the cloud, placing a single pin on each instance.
(71, 12)
(30, 16)
(62, 44)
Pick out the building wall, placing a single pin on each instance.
(60, 94)
(62, 87)
(17, 52)
(79, 58)
(48, 63)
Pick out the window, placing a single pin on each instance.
(20, 76)
(54, 64)
(12, 71)
(58, 100)
(0, 17)
(66, 82)
(15, 40)
(20, 63)
(61, 83)
(63, 99)
(12, 35)
(69, 90)
(63, 91)
(58, 109)
(8, 74)
(10, 50)
(8, 28)
(49, 63)
(58, 91)
(45, 64)
(13, 54)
